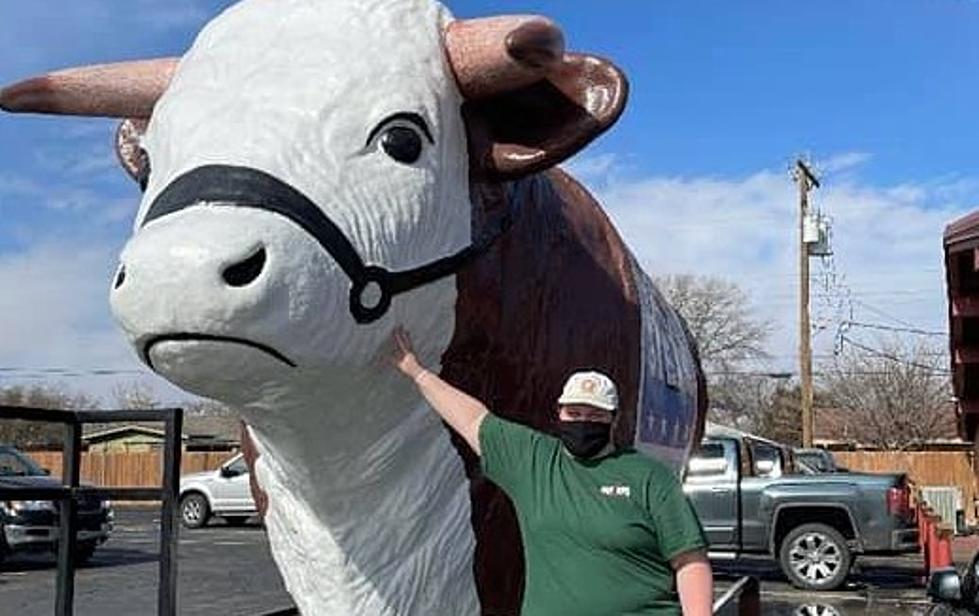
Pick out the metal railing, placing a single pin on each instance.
(70, 492)
(747, 593)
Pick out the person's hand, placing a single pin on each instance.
(403, 354)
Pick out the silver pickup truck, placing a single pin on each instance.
(751, 500)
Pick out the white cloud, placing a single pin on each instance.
(887, 241)
(843, 162)
(55, 323)
(593, 168)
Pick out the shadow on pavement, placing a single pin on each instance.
(104, 558)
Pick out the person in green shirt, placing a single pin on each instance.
(605, 531)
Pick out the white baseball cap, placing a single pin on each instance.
(591, 388)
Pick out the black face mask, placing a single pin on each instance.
(584, 439)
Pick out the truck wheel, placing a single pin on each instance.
(194, 510)
(815, 557)
(816, 609)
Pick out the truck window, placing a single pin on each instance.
(13, 465)
(766, 460)
(710, 462)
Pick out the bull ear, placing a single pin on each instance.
(129, 150)
(537, 126)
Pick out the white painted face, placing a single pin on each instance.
(245, 299)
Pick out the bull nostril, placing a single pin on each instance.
(120, 277)
(247, 271)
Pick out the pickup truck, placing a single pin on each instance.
(32, 525)
(750, 500)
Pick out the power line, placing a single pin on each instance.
(888, 328)
(894, 358)
(881, 313)
(20, 372)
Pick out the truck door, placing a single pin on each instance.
(711, 484)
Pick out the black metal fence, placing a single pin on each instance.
(69, 493)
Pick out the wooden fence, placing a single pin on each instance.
(129, 469)
(925, 468)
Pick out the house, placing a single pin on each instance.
(200, 433)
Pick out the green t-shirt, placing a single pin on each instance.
(598, 535)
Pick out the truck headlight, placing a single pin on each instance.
(31, 505)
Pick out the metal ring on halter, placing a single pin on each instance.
(376, 276)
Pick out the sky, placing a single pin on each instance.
(879, 95)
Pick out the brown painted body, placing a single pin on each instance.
(555, 294)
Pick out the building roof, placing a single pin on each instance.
(111, 433)
(197, 428)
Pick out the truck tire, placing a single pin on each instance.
(194, 510)
(815, 557)
(816, 609)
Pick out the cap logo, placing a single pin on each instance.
(588, 386)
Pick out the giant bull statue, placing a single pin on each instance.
(316, 172)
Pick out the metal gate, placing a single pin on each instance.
(68, 494)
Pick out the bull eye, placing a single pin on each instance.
(143, 170)
(402, 144)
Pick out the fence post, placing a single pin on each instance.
(750, 603)
(169, 527)
(70, 462)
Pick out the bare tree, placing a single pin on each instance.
(721, 320)
(206, 407)
(135, 395)
(719, 316)
(32, 433)
(894, 395)
(741, 400)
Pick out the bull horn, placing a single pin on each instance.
(501, 54)
(122, 90)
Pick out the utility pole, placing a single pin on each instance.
(806, 182)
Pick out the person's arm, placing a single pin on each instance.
(460, 410)
(694, 583)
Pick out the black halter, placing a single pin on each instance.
(226, 185)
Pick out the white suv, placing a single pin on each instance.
(223, 492)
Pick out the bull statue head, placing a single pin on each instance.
(315, 172)
(288, 170)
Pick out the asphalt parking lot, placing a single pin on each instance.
(223, 570)
(228, 570)
(877, 587)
